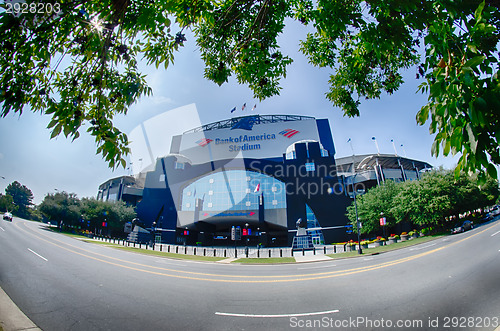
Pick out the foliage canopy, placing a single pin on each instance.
(22, 197)
(426, 202)
(80, 65)
(87, 213)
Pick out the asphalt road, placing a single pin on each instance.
(62, 283)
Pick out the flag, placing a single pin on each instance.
(244, 106)
(349, 140)
(245, 123)
(254, 106)
(257, 188)
(233, 110)
(373, 138)
(194, 193)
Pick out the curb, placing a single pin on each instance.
(11, 317)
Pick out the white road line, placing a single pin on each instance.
(419, 248)
(2, 229)
(37, 254)
(495, 233)
(368, 259)
(279, 315)
(323, 266)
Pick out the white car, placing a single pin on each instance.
(7, 217)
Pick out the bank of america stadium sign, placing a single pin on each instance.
(246, 142)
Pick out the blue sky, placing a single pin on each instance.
(28, 155)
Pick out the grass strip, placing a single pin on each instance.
(265, 260)
(171, 255)
(386, 248)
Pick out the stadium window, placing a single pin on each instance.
(324, 152)
(179, 165)
(248, 203)
(162, 177)
(210, 192)
(291, 155)
(310, 166)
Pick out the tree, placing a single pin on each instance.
(61, 206)
(366, 44)
(371, 204)
(21, 196)
(430, 201)
(7, 203)
(114, 214)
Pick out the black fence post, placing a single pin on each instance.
(269, 253)
(281, 252)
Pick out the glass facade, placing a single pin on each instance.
(234, 190)
(314, 228)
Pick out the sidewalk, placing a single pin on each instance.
(11, 317)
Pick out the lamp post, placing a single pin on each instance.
(358, 225)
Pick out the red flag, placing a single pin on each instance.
(244, 106)
(257, 188)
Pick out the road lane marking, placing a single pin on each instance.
(278, 315)
(368, 259)
(248, 278)
(2, 229)
(323, 266)
(419, 248)
(32, 251)
(495, 233)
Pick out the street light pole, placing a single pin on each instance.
(358, 225)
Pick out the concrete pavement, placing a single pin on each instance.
(11, 317)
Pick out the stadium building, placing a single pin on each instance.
(261, 173)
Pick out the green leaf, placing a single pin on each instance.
(56, 131)
(475, 61)
(492, 171)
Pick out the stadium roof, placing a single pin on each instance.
(257, 119)
(386, 161)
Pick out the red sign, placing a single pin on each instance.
(383, 221)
